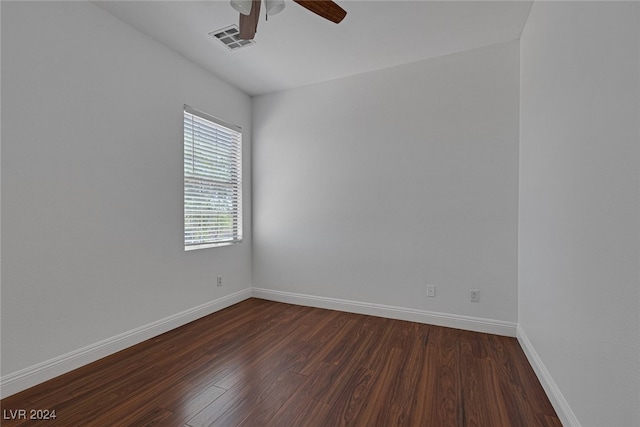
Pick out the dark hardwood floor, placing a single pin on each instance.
(262, 363)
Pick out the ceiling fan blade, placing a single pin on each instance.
(325, 8)
(249, 23)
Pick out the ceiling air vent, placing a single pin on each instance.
(230, 37)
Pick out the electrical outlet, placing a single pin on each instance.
(475, 295)
(219, 281)
(431, 290)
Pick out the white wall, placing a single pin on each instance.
(369, 187)
(579, 241)
(92, 235)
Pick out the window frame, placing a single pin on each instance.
(193, 180)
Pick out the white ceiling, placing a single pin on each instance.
(297, 48)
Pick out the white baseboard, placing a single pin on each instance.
(566, 415)
(476, 324)
(33, 375)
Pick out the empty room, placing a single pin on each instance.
(320, 213)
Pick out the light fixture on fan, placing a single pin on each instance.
(250, 12)
(273, 7)
(242, 6)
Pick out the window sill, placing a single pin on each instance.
(210, 245)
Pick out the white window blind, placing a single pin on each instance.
(212, 181)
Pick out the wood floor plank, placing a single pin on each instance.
(188, 401)
(391, 397)
(300, 411)
(262, 363)
(326, 339)
(285, 387)
(351, 398)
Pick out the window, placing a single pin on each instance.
(212, 181)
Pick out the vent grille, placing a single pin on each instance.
(230, 38)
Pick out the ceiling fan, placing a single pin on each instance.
(250, 12)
